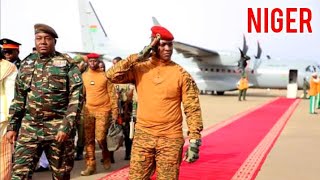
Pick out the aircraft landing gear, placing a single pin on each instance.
(220, 93)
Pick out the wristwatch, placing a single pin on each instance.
(196, 141)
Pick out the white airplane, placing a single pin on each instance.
(213, 71)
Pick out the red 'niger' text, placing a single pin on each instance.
(276, 19)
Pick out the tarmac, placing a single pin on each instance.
(294, 156)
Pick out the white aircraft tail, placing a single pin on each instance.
(94, 37)
(155, 21)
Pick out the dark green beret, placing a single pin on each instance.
(38, 28)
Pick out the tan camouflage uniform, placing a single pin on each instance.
(48, 93)
(96, 115)
(158, 138)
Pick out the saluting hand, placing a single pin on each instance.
(11, 136)
(61, 136)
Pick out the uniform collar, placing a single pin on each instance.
(157, 62)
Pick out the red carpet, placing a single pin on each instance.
(237, 149)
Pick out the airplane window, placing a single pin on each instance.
(211, 69)
(229, 71)
(218, 70)
(223, 70)
(206, 69)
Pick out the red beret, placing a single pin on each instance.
(93, 56)
(164, 33)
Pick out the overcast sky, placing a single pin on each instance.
(205, 23)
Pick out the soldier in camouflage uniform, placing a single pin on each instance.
(48, 93)
(125, 95)
(82, 65)
(162, 86)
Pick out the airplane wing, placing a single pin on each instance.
(193, 51)
(206, 56)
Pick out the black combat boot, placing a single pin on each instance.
(128, 144)
(112, 157)
(79, 155)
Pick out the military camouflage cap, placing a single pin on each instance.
(45, 29)
(77, 59)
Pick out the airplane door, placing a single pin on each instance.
(293, 76)
(292, 87)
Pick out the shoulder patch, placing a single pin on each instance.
(76, 78)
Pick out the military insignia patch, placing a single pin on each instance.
(76, 77)
(92, 83)
(59, 63)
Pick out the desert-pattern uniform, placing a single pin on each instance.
(143, 165)
(48, 95)
(168, 148)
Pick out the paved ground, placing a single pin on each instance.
(295, 155)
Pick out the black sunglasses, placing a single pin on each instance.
(7, 51)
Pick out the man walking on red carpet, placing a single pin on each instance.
(162, 85)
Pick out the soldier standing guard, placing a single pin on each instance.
(313, 84)
(243, 85)
(48, 89)
(11, 51)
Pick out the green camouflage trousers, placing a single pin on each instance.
(80, 132)
(148, 150)
(28, 151)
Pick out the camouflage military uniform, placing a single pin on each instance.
(125, 106)
(48, 93)
(158, 140)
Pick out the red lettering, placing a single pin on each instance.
(307, 20)
(279, 20)
(252, 19)
(266, 22)
(290, 20)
